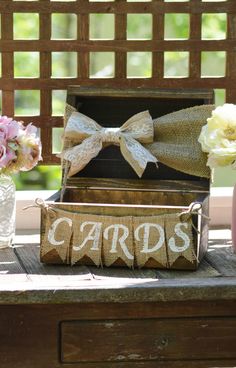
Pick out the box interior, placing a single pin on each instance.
(113, 196)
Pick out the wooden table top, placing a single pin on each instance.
(24, 280)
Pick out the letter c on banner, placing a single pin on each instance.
(51, 232)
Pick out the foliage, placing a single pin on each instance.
(41, 177)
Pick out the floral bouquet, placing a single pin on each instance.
(20, 148)
(218, 137)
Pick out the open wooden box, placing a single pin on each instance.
(108, 190)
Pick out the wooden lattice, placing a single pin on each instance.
(120, 46)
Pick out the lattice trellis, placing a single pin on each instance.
(45, 83)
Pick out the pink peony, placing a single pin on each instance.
(9, 129)
(13, 129)
(6, 156)
(20, 149)
(31, 129)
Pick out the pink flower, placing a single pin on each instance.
(5, 120)
(9, 129)
(31, 129)
(13, 129)
(6, 156)
(20, 149)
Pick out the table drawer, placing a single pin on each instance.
(148, 339)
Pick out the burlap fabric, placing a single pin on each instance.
(179, 238)
(175, 139)
(87, 238)
(58, 233)
(72, 238)
(118, 240)
(149, 240)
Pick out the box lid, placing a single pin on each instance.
(112, 107)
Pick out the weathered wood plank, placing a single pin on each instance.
(114, 285)
(29, 333)
(183, 186)
(220, 252)
(63, 290)
(122, 273)
(142, 93)
(11, 270)
(224, 260)
(204, 270)
(46, 275)
(128, 196)
(60, 83)
(118, 46)
(158, 7)
(221, 256)
(143, 340)
(120, 34)
(7, 60)
(9, 264)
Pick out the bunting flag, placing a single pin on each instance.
(118, 241)
(160, 241)
(149, 240)
(57, 236)
(179, 238)
(87, 239)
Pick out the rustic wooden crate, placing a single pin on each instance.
(108, 186)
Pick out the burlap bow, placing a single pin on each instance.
(88, 138)
(175, 141)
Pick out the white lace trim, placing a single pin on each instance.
(139, 128)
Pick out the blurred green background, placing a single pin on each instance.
(139, 26)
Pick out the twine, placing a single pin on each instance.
(193, 209)
(46, 209)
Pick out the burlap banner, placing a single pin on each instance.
(149, 240)
(57, 236)
(179, 238)
(118, 240)
(87, 239)
(158, 241)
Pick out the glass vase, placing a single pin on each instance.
(7, 210)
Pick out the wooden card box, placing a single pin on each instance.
(108, 186)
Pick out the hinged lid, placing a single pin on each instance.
(111, 108)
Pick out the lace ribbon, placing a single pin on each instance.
(88, 138)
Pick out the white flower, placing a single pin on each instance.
(218, 137)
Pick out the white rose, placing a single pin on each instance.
(218, 137)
